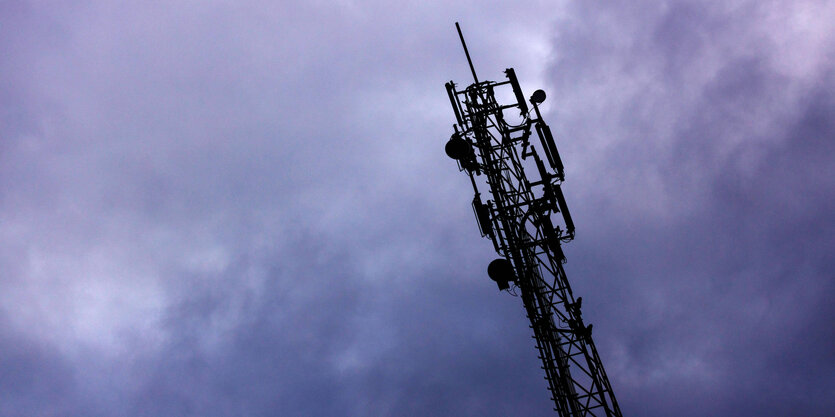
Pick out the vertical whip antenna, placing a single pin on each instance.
(466, 52)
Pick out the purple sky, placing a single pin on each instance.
(229, 208)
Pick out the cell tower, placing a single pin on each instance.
(520, 220)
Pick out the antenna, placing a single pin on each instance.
(466, 52)
(528, 221)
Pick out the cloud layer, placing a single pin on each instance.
(230, 208)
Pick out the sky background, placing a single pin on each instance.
(243, 208)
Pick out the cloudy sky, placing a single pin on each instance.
(243, 208)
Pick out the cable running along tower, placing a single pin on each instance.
(528, 220)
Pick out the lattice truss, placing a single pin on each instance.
(528, 220)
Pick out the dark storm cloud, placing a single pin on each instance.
(707, 193)
(230, 210)
(244, 208)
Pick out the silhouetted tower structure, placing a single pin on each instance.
(528, 220)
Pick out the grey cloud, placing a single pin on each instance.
(244, 209)
(706, 190)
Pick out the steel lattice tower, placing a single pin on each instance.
(520, 220)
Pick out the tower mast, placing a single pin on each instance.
(527, 219)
